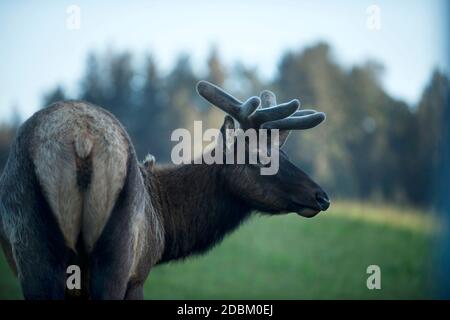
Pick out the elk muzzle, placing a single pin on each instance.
(322, 200)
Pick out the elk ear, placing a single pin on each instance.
(149, 162)
(227, 132)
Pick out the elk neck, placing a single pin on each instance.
(197, 207)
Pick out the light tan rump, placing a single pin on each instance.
(69, 137)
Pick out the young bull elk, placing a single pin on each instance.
(73, 192)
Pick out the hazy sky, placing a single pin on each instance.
(38, 51)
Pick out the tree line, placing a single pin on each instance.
(372, 146)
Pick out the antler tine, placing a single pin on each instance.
(280, 111)
(270, 111)
(285, 116)
(296, 123)
(268, 99)
(219, 98)
(304, 112)
(249, 106)
(225, 101)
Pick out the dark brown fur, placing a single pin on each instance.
(84, 172)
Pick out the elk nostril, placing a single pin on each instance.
(322, 200)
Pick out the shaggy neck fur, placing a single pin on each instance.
(196, 206)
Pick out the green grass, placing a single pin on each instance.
(289, 257)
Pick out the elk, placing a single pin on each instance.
(73, 192)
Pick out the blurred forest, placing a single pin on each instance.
(372, 146)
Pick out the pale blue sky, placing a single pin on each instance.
(38, 51)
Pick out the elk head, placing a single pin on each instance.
(289, 189)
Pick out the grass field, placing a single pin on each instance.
(289, 257)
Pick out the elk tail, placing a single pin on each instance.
(83, 149)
